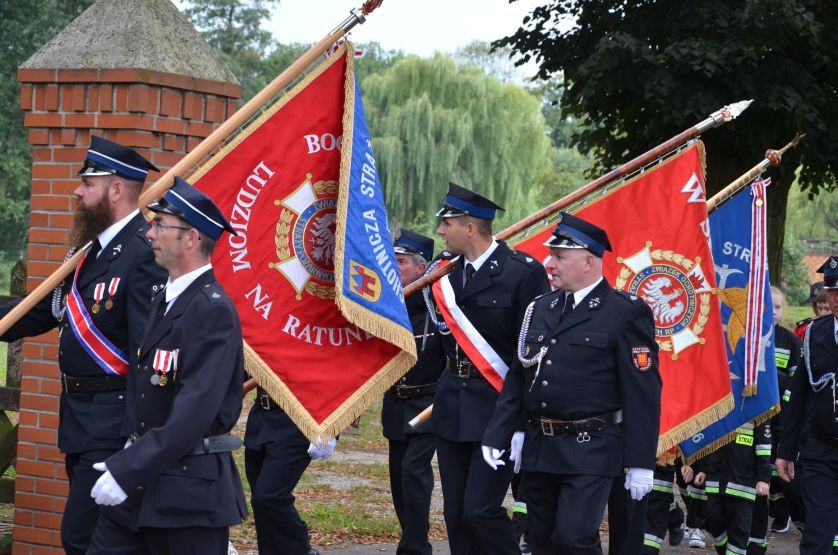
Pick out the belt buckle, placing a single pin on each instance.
(463, 370)
(547, 428)
(265, 401)
(399, 393)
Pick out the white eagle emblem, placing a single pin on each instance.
(659, 295)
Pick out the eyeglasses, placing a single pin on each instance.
(160, 225)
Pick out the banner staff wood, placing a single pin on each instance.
(772, 158)
(357, 16)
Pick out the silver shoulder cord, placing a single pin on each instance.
(58, 292)
(522, 339)
(817, 386)
(426, 294)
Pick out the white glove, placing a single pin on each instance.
(516, 450)
(639, 482)
(319, 451)
(129, 442)
(492, 456)
(106, 490)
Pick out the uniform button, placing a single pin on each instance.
(549, 362)
(404, 380)
(142, 395)
(552, 342)
(544, 405)
(185, 468)
(494, 301)
(139, 488)
(142, 424)
(121, 397)
(544, 382)
(464, 384)
(587, 339)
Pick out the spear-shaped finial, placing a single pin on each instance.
(733, 111)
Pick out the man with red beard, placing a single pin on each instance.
(100, 312)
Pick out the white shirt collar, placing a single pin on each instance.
(579, 296)
(174, 287)
(483, 257)
(107, 236)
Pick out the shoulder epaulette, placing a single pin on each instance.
(547, 294)
(630, 297)
(524, 257)
(214, 292)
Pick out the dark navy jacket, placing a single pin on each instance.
(168, 487)
(94, 421)
(494, 300)
(396, 412)
(588, 370)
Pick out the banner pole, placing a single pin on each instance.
(715, 119)
(772, 158)
(357, 16)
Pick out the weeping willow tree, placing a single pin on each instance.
(434, 122)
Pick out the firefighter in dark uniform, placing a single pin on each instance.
(411, 450)
(491, 286)
(175, 489)
(586, 379)
(113, 289)
(733, 476)
(817, 300)
(275, 457)
(814, 395)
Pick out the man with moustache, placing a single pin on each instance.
(483, 301)
(411, 450)
(585, 377)
(100, 312)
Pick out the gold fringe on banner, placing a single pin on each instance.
(727, 438)
(695, 424)
(370, 322)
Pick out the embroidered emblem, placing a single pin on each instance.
(641, 357)
(593, 304)
(554, 302)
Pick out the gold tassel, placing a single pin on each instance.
(749, 390)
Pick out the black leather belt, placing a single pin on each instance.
(463, 368)
(217, 444)
(550, 427)
(265, 400)
(72, 384)
(409, 391)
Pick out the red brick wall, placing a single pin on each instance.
(163, 116)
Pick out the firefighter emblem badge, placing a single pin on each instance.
(305, 238)
(676, 290)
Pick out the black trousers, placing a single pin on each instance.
(564, 512)
(662, 512)
(81, 512)
(758, 540)
(273, 472)
(112, 538)
(820, 496)
(411, 484)
(473, 495)
(626, 520)
(729, 521)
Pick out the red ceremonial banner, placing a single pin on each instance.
(658, 228)
(278, 182)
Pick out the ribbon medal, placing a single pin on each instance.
(98, 295)
(164, 362)
(112, 287)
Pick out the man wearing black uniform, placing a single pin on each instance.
(101, 312)
(175, 489)
(586, 378)
(275, 457)
(483, 301)
(813, 398)
(411, 450)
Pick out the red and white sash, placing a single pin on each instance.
(100, 349)
(474, 345)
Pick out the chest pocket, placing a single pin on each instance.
(589, 339)
(533, 341)
(494, 301)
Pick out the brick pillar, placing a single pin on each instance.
(163, 116)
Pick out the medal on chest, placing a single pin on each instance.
(112, 288)
(98, 295)
(164, 363)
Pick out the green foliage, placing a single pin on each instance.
(433, 121)
(812, 217)
(639, 71)
(23, 30)
(795, 280)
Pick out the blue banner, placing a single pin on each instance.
(737, 234)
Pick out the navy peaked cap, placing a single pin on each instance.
(195, 208)
(461, 202)
(106, 157)
(814, 290)
(830, 273)
(572, 232)
(410, 242)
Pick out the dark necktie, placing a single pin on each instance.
(469, 274)
(91, 254)
(568, 306)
